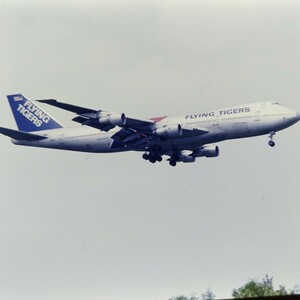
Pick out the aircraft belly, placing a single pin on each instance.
(256, 127)
(265, 126)
(238, 130)
(248, 129)
(259, 127)
(90, 145)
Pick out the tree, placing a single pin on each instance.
(296, 289)
(184, 298)
(254, 288)
(208, 295)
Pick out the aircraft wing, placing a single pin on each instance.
(73, 108)
(134, 133)
(98, 118)
(142, 138)
(21, 135)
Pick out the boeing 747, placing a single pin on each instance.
(181, 139)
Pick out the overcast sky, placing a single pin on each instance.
(113, 226)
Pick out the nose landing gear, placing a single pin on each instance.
(271, 142)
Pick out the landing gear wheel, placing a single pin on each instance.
(172, 163)
(145, 156)
(159, 158)
(271, 143)
(152, 160)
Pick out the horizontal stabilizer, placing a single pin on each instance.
(21, 135)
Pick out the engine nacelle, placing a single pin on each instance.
(114, 119)
(186, 156)
(207, 151)
(170, 131)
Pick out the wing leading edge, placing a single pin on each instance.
(98, 118)
(70, 107)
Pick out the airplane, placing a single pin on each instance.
(182, 139)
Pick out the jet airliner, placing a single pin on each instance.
(181, 139)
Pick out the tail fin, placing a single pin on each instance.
(29, 117)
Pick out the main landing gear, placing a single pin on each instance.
(152, 157)
(271, 142)
(155, 155)
(172, 163)
(173, 160)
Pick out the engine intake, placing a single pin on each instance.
(171, 131)
(207, 151)
(114, 119)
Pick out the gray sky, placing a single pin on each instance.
(112, 226)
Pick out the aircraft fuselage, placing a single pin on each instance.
(222, 124)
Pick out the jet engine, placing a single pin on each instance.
(207, 151)
(186, 156)
(114, 119)
(170, 131)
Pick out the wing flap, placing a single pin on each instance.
(21, 135)
(132, 138)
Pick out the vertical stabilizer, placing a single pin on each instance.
(29, 117)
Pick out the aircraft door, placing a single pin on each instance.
(241, 129)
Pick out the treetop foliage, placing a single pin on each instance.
(253, 288)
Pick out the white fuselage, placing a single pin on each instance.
(228, 123)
